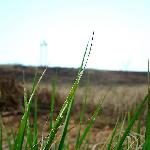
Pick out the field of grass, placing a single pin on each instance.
(68, 116)
(120, 100)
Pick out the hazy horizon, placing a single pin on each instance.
(62, 29)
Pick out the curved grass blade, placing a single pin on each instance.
(133, 119)
(67, 102)
(21, 131)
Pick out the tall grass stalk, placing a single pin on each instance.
(69, 99)
(52, 103)
(81, 117)
(112, 136)
(147, 133)
(29, 136)
(67, 119)
(21, 131)
(35, 130)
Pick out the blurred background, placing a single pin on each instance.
(55, 33)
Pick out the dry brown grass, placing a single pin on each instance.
(120, 98)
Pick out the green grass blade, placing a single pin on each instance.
(61, 115)
(13, 134)
(1, 132)
(87, 141)
(35, 131)
(8, 140)
(66, 144)
(81, 117)
(68, 99)
(147, 133)
(112, 136)
(87, 53)
(67, 119)
(133, 119)
(21, 131)
(29, 136)
(121, 129)
(52, 103)
(36, 80)
(90, 124)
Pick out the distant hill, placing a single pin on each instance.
(67, 75)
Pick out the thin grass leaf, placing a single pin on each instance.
(86, 142)
(25, 96)
(81, 117)
(29, 136)
(90, 124)
(13, 134)
(121, 129)
(67, 102)
(21, 131)
(67, 119)
(134, 118)
(66, 145)
(35, 130)
(52, 103)
(8, 140)
(86, 56)
(147, 133)
(32, 143)
(59, 118)
(36, 80)
(112, 136)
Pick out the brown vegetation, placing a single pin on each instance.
(123, 89)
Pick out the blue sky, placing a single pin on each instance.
(122, 32)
